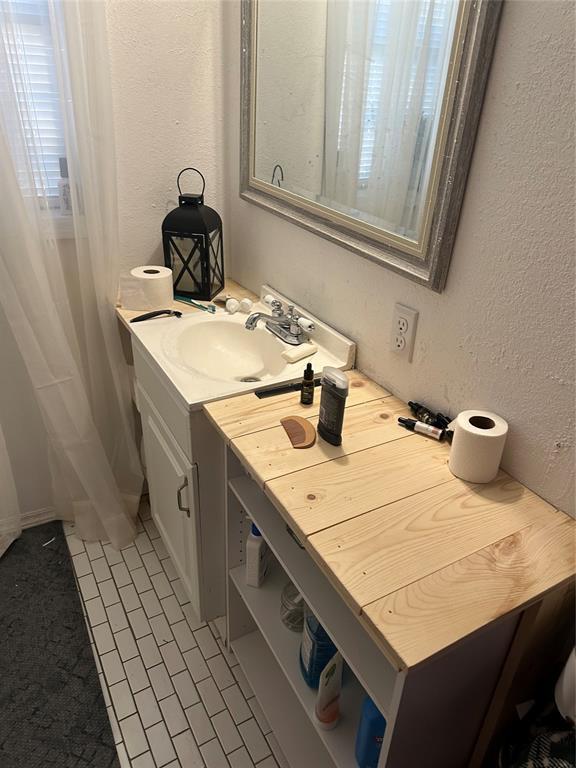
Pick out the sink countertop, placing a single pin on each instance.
(230, 286)
(193, 388)
(424, 559)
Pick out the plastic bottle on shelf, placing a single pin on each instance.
(257, 558)
(316, 650)
(370, 735)
(327, 709)
(292, 608)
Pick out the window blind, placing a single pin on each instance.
(441, 17)
(28, 43)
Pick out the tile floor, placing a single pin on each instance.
(176, 697)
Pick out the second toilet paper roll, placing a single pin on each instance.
(477, 445)
(148, 287)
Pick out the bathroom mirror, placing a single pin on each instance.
(359, 119)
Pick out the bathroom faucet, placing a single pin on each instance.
(288, 326)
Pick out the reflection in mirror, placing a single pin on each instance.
(359, 119)
(348, 104)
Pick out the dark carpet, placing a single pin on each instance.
(52, 713)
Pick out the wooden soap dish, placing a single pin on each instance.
(302, 434)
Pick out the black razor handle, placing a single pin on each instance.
(156, 313)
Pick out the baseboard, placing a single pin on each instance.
(37, 517)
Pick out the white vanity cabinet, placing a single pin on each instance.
(173, 486)
(185, 473)
(184, 453)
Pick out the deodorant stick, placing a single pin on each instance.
(332, 402)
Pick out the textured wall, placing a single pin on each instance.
(501, 336)
(166, 60)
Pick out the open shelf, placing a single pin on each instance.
(377, 676)
(295, 733)
(284, 646)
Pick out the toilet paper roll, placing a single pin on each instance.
(148, 287)
(477, 445)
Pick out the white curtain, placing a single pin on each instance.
(59, 293)
(10, 523)
(386, 66)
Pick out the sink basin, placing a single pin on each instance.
(225, 351)
(207, 357)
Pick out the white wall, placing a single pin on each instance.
(501, 336)
(166, 65)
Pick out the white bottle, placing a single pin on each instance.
(327, 709)
(256, 558)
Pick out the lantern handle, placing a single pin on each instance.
(199, 174)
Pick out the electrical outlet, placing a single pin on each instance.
(399, 342)
(404, 323)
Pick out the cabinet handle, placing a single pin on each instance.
(181, 506)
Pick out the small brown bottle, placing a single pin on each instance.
(307, 393)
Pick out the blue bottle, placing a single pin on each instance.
(370, 735)
(316, 650)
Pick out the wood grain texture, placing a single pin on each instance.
(389, 547)
(423, 558)
(300, 432)
(436, 611)
(344, 488)
(269, 454)
(230, 286)
(245, 414)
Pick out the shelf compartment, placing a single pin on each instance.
(376, 675)
(264, 606)
(295, 733)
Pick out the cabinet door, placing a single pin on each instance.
(173, 486)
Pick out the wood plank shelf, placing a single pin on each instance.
(382, 513)
(264, 605)
(423, 581)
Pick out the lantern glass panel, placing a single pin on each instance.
(186, 261)
(216, 262)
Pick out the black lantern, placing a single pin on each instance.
(193, 246)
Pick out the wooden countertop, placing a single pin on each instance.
(230, 286)
(421, 557)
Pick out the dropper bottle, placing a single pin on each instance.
(307, 393)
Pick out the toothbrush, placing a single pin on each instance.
(204, 307)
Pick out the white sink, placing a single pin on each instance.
(208, 357)
(225, 350)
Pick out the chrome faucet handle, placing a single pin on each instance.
(276, 306)
(292, 317)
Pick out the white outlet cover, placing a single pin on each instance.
(404, 322)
